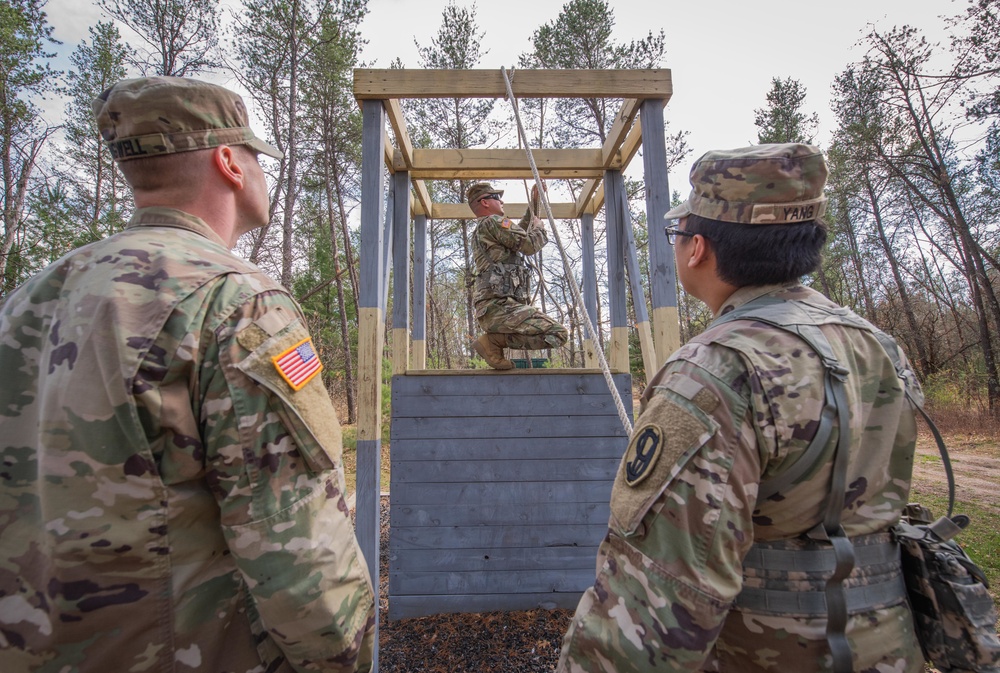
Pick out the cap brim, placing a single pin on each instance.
(680, 211)
(264, 148)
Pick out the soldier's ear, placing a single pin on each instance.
(227, 162)
(699, 251)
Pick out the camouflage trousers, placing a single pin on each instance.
(526, 327)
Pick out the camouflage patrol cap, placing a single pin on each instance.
(764, 184)
(479, 190)
(151, 116)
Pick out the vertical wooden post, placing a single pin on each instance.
(589, 289)
(420, 292)
(635, 282)
(618, 356)
(372, 328)
(387, 248)
(401, 272)
(662, 274)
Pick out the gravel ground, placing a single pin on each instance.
(488, 642)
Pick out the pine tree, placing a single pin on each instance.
(25, 75)
(783, 121)
(98, 193)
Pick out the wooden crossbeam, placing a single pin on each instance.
(394, 83)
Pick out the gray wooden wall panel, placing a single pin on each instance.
(479, 535)
(405, 607)
(499, 488)
(490, 559)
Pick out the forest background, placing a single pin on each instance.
(913, 140)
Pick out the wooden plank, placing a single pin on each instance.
(389, 153)
(591, 196)
(457, 537)
(523, 559)
(618, 358)
(461, 211)
(666, 327)
(589, 290)
(419, 329)
(510, 159)
(421, 406)
(367, 529)
(395, 83)
(407, 607)
(491, 582)
(610, 156)
(502, 173)
(618, 349)
(401, 272)
(525, 492)
(485, 448)
(662, 273)
(530, 429)
(476, 471)
(406, 515)
(423, 204)
(398, 123)
(510, 384)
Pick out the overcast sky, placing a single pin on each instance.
(722, 53)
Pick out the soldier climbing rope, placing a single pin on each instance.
(574, 287)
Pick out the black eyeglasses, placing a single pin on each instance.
(491, 197)
(673, 232)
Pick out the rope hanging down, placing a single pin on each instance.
(577, 296)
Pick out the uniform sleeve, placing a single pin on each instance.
(681, 523)
(273, 447)
(499, 232)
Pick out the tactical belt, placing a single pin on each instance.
(878, 563)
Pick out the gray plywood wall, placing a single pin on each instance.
(499, 487)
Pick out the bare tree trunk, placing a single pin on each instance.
(288, 219)
(341, 303)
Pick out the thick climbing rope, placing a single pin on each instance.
(574, 287)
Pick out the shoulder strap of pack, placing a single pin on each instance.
(780, 314)
(787, 316)
(893, 352)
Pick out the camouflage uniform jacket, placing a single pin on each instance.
(735, 406)
(169, 501)
(498, 252)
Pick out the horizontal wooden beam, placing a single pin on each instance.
(503, 173)
(512, 159)
(461, 211)
(395, 83)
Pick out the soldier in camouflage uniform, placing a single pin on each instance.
(172, 494)
(503, 280)
(697, 546)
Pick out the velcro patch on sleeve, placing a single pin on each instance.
(299, 364)
(643, 450)
(669, 433)
(505, 223)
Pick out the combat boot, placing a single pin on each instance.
(490, 348)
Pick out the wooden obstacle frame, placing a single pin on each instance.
(500, 480)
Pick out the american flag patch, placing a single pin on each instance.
(299, 364)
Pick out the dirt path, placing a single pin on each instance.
(975, 460)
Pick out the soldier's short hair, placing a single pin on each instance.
(754, 255)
